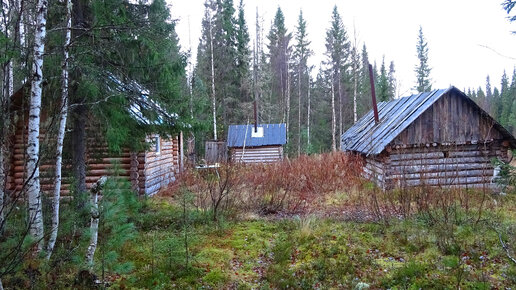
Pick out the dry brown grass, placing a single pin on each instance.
(327, 185)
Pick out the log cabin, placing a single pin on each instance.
(260, 143)
(438, 138)
(148, 171)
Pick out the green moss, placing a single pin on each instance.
(214, 256)
(215, 278)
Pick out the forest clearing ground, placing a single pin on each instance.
(320, 249)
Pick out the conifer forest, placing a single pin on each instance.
(250, 161)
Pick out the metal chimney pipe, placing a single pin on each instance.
(255, 118)
(373, 94)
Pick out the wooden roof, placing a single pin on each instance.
(371, 138)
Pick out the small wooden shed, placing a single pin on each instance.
(256, 144)
(148, 171)
(438, 138)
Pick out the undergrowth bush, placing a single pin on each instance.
(288, 186)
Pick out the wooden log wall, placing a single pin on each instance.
(264, 154)
(16, 171)
(147, 172)
(375, 170)
(158, 169)
(468, 165)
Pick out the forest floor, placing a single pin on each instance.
(342, 247)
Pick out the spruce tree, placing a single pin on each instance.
(364, 100)
(279, 58)
(422, 69)
(382, 84)
(301, 54)
(489, 96)
(243, 54)
(505, 100)
(392, 81)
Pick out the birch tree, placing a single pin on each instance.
(308, 111)
(94, 223)
(333, 119)
(279, 54)
(61, 133)
(32, 167)
(337, 52)
(355, 58)
(213, 99)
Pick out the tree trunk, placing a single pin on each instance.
(95, 217)
(308, 113)
(7, 91)
(355, 116)
(213, 100)
(60, 134)
(79, 154)
(340, 103)
(4, 142)
(333, 125)
(21, 23)
(299, 110)
(81, 18)
(33, 183)
(288, 97)
(355, 74)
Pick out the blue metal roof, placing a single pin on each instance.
(395, 116)
(273, 134)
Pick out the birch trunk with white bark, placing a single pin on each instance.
(355, 74)
(340, 103)
(213, 99)
(95, 217)
(288, 98)
(61, 133)
(299, 110)
(308, 113)
(4, 150)
(333, 121)
(33, 183)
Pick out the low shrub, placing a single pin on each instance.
(287, 186)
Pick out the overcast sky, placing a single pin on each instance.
(468, 39)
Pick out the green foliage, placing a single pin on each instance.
(422, 69)
(117, 209)
(506, 178)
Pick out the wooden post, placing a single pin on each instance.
(133, 171)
